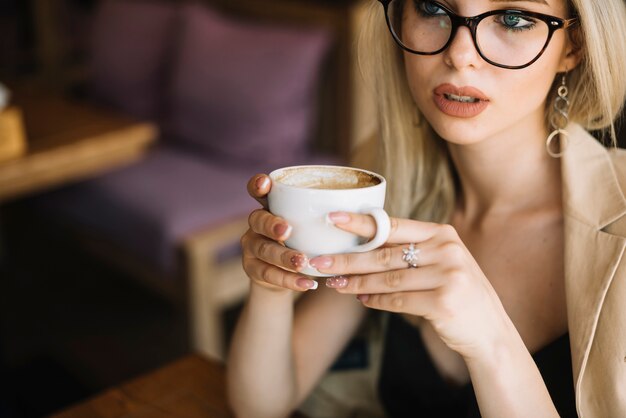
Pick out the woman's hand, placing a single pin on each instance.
(447, 288)
(266, 261)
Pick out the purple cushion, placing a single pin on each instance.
(147, 208)
(244, 91)
(129, 54)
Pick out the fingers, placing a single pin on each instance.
(264, 223)
(362, 225)
(402, 230)
(269, 251)
(415, 303)
(271, 264)
(405, 280)
(258, 187)
(382, 259)
(271, 276)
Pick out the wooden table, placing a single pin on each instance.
(193, 387)
(69, 141)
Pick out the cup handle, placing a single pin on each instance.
(383, 229)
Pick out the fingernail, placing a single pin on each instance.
(338, 282)
(281, 231)
(339, 217)
(299, 260)
(262, 182)
(321, 262)
(306, 284)
(363, 298)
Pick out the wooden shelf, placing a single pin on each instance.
(69, 141)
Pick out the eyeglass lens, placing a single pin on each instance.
(504, 38)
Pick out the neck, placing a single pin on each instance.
(507, 173)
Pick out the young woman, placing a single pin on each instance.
(504, 276)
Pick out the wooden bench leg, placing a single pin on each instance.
(213, 285)
(206, 329)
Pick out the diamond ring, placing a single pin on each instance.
(410, 255)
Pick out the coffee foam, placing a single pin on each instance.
(326, 178)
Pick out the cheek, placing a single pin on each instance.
(530, 85)
(419, 71)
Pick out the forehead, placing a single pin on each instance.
(542, 2)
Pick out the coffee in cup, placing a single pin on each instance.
(326, 177)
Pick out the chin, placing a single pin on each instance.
(460, 131)
(459, 138)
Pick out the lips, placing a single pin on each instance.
(462, 102)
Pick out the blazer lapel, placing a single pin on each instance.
(592, 199)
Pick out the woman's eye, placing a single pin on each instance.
(431, 8)
(511, 21)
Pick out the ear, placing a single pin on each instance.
(573, 50)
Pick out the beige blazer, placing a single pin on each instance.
(594, 186)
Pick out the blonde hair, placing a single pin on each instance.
(416, 161)
(598, 85)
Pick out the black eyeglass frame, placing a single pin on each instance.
(554, 23)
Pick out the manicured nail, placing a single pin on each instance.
(338, 282)
(339, 217)
(299, 260)
(281, 231)
(262, 182)
(306, 284)
(363, 298)
(321, 262)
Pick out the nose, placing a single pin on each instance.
(462, 51)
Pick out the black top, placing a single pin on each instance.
(411, 386)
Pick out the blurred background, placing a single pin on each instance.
(125, 146)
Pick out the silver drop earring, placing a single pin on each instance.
(559, 121)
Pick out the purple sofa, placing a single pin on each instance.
(232, 98)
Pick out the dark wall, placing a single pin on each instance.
(16, 37)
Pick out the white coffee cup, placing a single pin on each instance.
(305, 195)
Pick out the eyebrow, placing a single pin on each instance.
(516, 1)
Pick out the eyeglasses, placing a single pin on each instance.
(511, 39)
